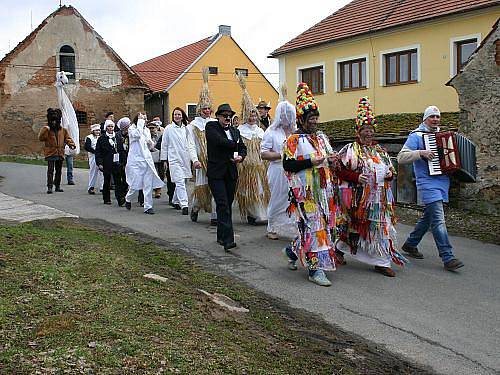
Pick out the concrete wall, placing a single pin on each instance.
(433, 40)
(27, 76)
(478, 88)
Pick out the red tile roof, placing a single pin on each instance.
(364, 16)
(160, 72)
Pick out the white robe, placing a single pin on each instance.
(69, 120)
(278, 220)
(178, 148)
(139, 159)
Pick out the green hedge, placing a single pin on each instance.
(395, 124)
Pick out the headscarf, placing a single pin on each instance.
(284, 117)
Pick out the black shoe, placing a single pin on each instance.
(213, 222)
(58, 189)
(176, 206)
(100, 190)
(49, 190)
(128, 205)
(121, 202)
(170, 203)
(220, 242)
(453, 265)
(194, 216)
(251, 220)
(412, 251)
(185, 211)
(149, 211)
(91, 191)
(229, 246)
(108, 203)
(71, 182)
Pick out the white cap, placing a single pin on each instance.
(95, 127)
(123, 123)
(108, 122)
(430, 111)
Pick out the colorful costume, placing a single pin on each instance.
(366, 221)
(311, 194)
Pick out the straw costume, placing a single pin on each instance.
(252, 191)
(201, 197)
(366, 221)
(311, 193)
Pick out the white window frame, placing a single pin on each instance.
(337, 73)
(399, 49)
(453, 49)
(309, 66)
(187, 108)
(71, 79)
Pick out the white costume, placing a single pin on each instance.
(140, 169)
(201, 197)
(252, 192)
(68, 121)
(274, 139)
(178, 148)
(94, 172)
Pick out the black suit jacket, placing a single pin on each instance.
(104, 151)
(220, 150)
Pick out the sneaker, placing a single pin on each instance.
(91, 191)
(412, 251)
(320, 278)
(272, 236)
(386, 271)
(292, 265)
(128, 205)
(453, 265)
(194, 216)
(149, 211)
(185, 211)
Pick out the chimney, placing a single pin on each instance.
(225, 30)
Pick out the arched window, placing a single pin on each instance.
(67, 60)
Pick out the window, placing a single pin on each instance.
(352, 75)
(191, 111)
(213, 70)
(81, 117)
(401, 67)
(314, 78)
(463, 50)
(241, 71)
(67, 61)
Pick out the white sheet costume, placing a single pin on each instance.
(279, 221)
(140, 169)
(252, 192)
(201, 198)
(69, 120)
(178, 148)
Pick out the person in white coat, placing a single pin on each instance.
(94, 172)
(140, 169)
(178, 150)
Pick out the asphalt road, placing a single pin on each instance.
(448, 321)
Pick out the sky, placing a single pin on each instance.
(142, 29)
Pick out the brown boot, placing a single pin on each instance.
(386, 271)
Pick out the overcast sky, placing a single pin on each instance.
(139, 30)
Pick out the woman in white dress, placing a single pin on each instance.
(279, 222)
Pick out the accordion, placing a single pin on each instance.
(456, 155)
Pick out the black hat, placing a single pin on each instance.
(224, 108)
(108, 114)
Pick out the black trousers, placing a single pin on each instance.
(170, 186)
(223, 192)
(51, 180)
(116, 172)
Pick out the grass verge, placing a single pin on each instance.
(77, 163)
(73, 299)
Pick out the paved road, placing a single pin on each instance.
(448, 321)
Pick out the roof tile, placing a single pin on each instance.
(363, 16)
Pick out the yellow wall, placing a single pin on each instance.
(433, 38)
(224, 87)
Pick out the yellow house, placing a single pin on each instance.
(399, 53)
(175, 78)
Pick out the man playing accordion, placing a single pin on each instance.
(432, 191)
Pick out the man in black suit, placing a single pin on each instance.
(110, 157)
(225, 148)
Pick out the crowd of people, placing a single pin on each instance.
(282, 172)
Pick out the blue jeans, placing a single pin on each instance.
(69, 167)
(434, 218)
